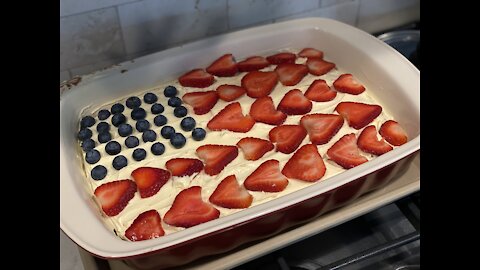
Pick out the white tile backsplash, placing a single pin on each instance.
(152, 24)
(326, 3)
(64, 75)
(90, 37)
(379, 15)
(95, 34)
(345, 12)
(70, 7)
(243, 13)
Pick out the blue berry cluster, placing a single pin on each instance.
(116, 117)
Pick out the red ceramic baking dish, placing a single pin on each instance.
(391, 78)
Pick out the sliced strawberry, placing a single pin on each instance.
(263, 110)
(149, 180)
(114, 196)
(320, 91)
(184, 166)
(254, 148)
(147, 225)
(319, 66)
(291, 74)
(252, 63)
(230, 92)
(281, 58)
(188, 209)
(231, 118)
(346, 153)
(202, 102)
(358, 115)
(345, 83)
(321, 127)
(393, 133)
(230, 194)
(267, 177)
(196, 78)
(306, 164)
(259, 83)
(294, 103)
(225, 66)
(311, 53)
(216, 157)
(287, 137)
(368, 142)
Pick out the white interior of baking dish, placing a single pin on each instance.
(390, 78)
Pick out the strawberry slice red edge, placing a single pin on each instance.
(287, 138)
(368, 142)
(267, 178)
(306, 164)
(393, 133)
(184, 166)
(346, 153)
(263, 110)
(254, 148)
(252, 63)
(231, 118)
(196, 78)
(319, 91)
(224, 66)
(216, 157)
(150, 180)
(294, 103)
(123, 190)
(147, 225)
(188, 209)
(229, 194)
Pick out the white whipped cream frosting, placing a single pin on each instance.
(240, 167)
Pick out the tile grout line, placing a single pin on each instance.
(358, 11)
(124, 46)
(97, 9)
(228, 15)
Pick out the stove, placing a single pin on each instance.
(381, 230)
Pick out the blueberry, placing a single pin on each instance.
(133, 102)
(118, 119)
(170, 91)
(117, 108)
(149, 136)
(88, 145)
(160, 120)
(180, 111)
(150, 98)
(92, 156)
(198, 134)
(178, 140)
(157, 108)
(119, 162)
(113, 148)
(167, 132)
(98, 172)
(104, 137)
(142, 125)
(132, 142)
(84, 134)
(103, 127)
(139, 154)
(87, 121)
(174, 102)
(157, 148)
(125, 130)
(103, 114)
(138, 114)
(188, 123)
